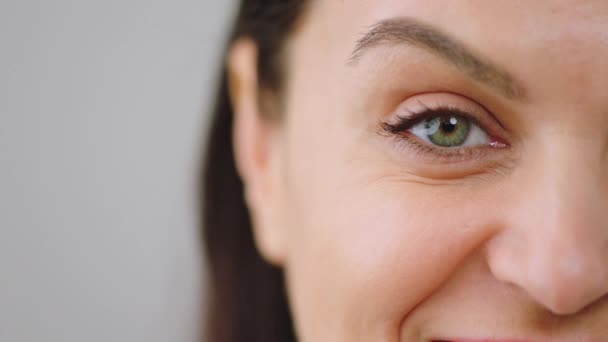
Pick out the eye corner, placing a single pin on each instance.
(385, 127)
(400, 124)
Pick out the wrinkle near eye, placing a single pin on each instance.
(402, 178)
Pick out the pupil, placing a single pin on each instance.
(449, 125)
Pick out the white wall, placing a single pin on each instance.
(101, 113)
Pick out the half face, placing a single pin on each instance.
(442, 171)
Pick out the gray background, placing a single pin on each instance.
(101, 116)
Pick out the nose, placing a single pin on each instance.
(554, 244)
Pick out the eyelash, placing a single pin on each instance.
(404, 139)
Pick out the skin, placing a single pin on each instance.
(382, 241)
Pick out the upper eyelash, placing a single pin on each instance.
(452, 154)
(414, 118)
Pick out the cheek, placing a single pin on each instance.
(365, 244)
(366, 248)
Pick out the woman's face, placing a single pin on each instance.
(441, 171)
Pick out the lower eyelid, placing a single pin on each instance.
(423, 151)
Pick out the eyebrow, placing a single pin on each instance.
(412, 32)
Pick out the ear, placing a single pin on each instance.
(257, 150)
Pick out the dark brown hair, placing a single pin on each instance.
(247, 299)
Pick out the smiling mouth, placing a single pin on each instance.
(479, 340)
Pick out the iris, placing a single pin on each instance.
(447, 131)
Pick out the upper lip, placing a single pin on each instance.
(483, 340)
(499, 340)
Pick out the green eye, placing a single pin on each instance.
(450, 131)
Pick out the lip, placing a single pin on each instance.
(580, 337)
(481, 340)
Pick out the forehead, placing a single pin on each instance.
(532, 39)
(483, 11)
(532, 22)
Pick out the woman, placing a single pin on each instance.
(413, 170)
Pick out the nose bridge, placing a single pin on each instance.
(569, 183)
(556, 244)
(566, 179)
